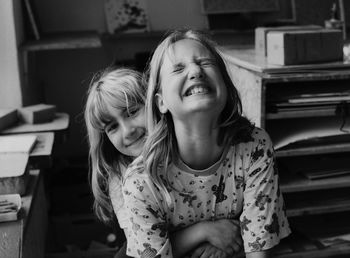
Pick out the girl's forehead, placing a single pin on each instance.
(187, 48)
(106, 114)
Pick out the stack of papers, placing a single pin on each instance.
(14, 154)
(10, 204)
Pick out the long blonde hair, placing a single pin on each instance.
(161, 143)
(123, 89)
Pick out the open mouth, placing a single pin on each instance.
(196, 89)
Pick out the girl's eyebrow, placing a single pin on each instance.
(205, 58)
(124, 109)
(177, 64)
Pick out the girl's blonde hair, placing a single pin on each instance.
(123, 89)
(161, 144)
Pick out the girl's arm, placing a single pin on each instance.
(206, 250)
(147, 215)
(223, 234)
(148, 225)
(262, 254)
(263, 219)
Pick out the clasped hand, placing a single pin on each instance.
(223, 240)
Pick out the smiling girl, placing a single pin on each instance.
(115, 121)
(202, 159)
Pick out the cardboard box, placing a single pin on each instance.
(8, 117)
(304, 47)
(36, 114)
(261, 34)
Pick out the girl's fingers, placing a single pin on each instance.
(239, 241)
(198, 252)
(229, 250)
(235, 222)
(236, 247)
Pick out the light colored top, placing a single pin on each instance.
(242, 185)
(117, 200)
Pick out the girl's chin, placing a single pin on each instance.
(137, 151)
(133, 152)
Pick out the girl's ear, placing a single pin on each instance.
(160, 103)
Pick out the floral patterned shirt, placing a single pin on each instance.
(243, 185)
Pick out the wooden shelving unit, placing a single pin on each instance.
(92, 39)
(26, 236)
(261, 85)
(317, 253)
(317, 202)
(59, 41)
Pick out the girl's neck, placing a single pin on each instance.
(198, 145)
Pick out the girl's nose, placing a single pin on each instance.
(195, 71)
(128, 129)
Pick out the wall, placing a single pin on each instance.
(10, 26)
(67, 15)
(169, 14)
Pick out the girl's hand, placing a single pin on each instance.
(207, 250)
(224, 234)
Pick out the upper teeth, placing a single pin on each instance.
(196, 90)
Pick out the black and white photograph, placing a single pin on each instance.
(175, 128)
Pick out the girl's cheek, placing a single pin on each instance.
(141, 118)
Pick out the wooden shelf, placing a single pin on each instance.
(59, 41)
(100, 252)
(298, 183)
(160, 34)
(60, 123)
(91, 39)
(319, 208)
(300, 246)
(318, 253)
(250, 61)
(299, 174)
(134, 35)
(317, 202)
(306, 240)
(301, 113)
(313, 150)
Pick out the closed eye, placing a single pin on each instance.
(111, 127)
(132, 112)
(178, 68)
(207, 62)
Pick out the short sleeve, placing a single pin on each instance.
(148, 233)
(263, 220)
